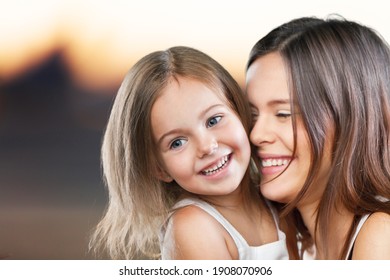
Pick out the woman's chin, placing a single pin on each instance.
(273, 193)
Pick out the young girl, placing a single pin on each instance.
(320, 97)
(175, 157)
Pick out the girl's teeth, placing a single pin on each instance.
(274, 162)
(220, 165)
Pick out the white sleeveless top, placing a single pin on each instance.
(271, 251)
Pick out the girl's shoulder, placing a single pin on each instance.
(191, 217)
(373, 240)
(198, 235)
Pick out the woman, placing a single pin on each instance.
(320, 97)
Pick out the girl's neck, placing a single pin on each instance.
(232, 200)
(251, 218)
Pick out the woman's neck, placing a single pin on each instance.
(339, 224)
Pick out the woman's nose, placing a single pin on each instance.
(261, 132)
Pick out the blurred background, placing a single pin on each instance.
(61, 63)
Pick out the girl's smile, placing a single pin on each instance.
(217, 167)
(202, 143)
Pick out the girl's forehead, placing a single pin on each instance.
(214, 86)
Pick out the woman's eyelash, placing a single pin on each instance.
(254, 114)
(284, 114)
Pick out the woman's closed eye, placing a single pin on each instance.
(283, 114)
(254, 115)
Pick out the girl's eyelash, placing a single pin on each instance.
(176, 143)
(216, 120)
(179, 142)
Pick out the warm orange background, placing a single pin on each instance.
(61, 63)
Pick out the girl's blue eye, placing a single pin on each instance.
(213, 121)
(177, 143)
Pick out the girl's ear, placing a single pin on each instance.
(163, 175)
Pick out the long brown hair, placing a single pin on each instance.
(339, 74)
(138, 201)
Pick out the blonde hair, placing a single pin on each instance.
(139, 203)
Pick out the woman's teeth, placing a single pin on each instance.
(218, 166)
(274, 162)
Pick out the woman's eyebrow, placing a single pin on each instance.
(278, 102)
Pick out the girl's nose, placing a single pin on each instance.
(207, 146)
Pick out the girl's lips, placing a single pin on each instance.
(217, 167)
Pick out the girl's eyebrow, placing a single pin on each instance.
(173, 131)
(204, 112)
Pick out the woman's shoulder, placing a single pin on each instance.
(373, 240)
(377, 223)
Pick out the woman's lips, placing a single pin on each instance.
(274, 164)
